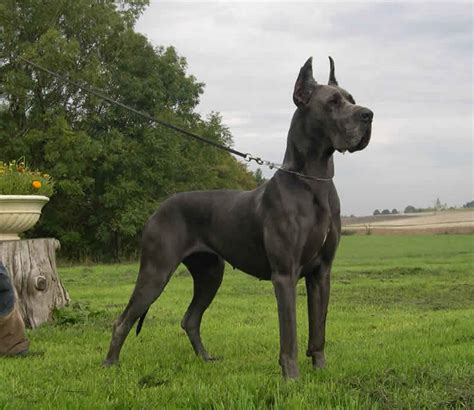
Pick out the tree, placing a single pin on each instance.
(410, 209)
(469, 204)
(394, 211)
(376, 212)
(259, 177)
(111, 167)
(385, 212)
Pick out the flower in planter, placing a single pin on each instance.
(16, 178)
(36, 184)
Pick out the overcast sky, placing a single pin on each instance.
(411, 63)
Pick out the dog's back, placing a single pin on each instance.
(217, 221)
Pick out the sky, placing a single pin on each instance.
(410, 63)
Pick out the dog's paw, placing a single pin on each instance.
(109, 363)
(291, 373)
(319, 361)
(209, 358)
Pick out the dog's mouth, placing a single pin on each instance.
(364, 141)
(356, 139)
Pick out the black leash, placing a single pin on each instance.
(246, 156)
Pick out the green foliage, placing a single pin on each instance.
(259, 177)
(112, 168)
(410, 209)
(76, 313)
(16, 178)
(469, 204)
(399, 336)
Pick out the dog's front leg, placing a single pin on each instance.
(285, 292)
(317, 289)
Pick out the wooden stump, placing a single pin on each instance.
(32, 266)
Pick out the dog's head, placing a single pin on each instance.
(331, 111)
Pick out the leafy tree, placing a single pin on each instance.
(385, 212)
(376, 212)
(410, 209)
(259, 177)
(111, 167)
(394, 211)
(469, 204)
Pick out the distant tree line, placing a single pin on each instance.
(410, 209)
(385, 212)
(112, 168)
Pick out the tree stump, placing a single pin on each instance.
(32, 267)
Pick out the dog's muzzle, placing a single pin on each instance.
(365, 116)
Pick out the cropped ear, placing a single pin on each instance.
(304, 85)
(332, 75)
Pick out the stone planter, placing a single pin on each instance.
(18, 213)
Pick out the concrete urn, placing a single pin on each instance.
(18, 213)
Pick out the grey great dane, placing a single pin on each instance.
(286, 229)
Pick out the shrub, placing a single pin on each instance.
(16, 178)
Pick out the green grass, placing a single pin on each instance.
(399, 335)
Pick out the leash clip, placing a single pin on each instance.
(249, 157)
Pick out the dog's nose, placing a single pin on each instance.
(366, 115)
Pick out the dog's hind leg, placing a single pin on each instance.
(155, 272)
(207, 270)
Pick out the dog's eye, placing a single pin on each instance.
(335, 101)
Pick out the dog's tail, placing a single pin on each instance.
(140, 322)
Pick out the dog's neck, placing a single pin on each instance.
(309, 155)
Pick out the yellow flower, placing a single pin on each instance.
(36, 184)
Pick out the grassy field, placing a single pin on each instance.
(399, 335)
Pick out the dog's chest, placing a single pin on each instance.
(316, 236)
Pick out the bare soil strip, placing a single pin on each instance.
(457, 221)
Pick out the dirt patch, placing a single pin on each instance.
(410, 230)
(355, 220)
(448, 222)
